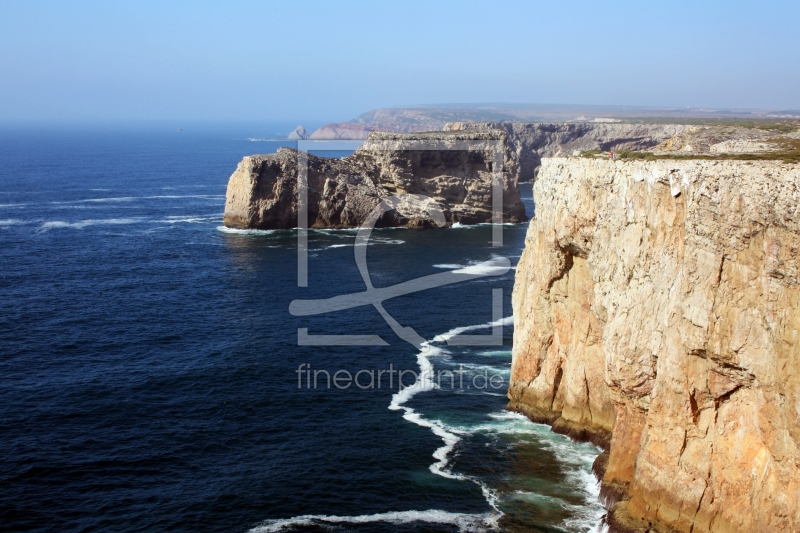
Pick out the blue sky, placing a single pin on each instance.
(310, 60)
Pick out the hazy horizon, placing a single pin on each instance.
(316, 62)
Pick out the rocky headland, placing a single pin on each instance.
(408, 119)
(657, 314)
(263, 190)
(529, 142)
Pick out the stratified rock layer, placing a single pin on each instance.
(660, 301)
(529, 142)
(455, 169)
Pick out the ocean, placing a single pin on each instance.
(152, 378)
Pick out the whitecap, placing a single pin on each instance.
(12, 222)
(191, 219)
(55, 224)
(444, 337)
(225, 229)
(496, 353)
(493, 267)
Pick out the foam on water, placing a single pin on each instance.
(225, 229)
(465, 522)
(56, 224)
(495, 266)
(496, 353)
(450, 437)
(444, 337)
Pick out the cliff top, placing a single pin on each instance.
(778, 141)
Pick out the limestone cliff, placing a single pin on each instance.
(529, 142)
(262, 192)
(658, 302)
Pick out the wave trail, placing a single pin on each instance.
(465, 522)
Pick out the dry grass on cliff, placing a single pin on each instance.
(767, 124)
(789, 153)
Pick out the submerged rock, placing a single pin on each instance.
(660, 301)
(262, 192)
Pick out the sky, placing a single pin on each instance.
(320, 61)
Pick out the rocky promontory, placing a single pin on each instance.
(454, 169)
(529, 142)
(657, 313)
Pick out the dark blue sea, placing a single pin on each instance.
(151, 378)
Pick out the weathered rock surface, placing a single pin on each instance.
(262, 192)
(660, 301)
(529, 142)
(727, 140)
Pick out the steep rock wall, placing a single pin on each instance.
(529, 142)
(660, 301)
(456, 169)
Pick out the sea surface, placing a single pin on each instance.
(151, 378)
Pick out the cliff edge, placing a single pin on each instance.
(529, 142)
(455, 169)
(657, 313)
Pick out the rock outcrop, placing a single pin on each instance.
(529, 142)
(344, 130)
(657, 313)
(455, 169)
(729, 140)
(298, 134)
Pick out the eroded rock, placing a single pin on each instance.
(660, 301)
(529, 142)
(448, 167)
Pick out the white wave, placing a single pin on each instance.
(490, 369)
(12, 205)
(496, 353)
(190, 219)
(495, 266)
(99, 200)
(576, 457)
(465, 522)
(459, 225)
(450, 436)
(444, 337)
(11, 222)
(225, 229)
(55, 224)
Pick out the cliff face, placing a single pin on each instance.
(262, 192)
(659, 303)
(530, 142)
